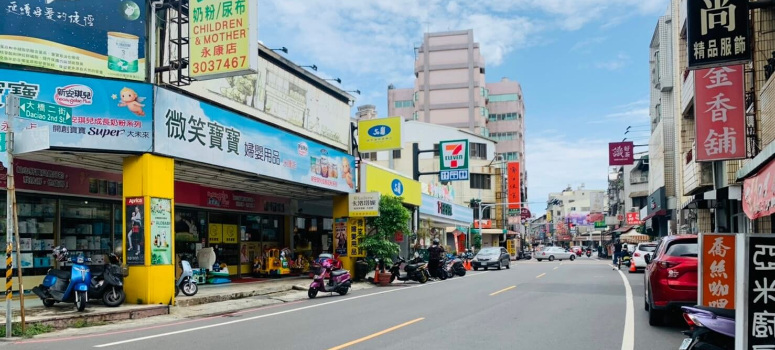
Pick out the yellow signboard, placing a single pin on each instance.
(230, 234)
(223, 38)
(215, 233)
(375, 179)
(356, 230)
(381, 134)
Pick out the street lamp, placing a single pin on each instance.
(336, 80)
(313, 67)
(283, 49)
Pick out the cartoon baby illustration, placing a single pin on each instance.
(130, 100)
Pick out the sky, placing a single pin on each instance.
(583, 65)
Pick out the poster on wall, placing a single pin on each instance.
(340, 237)
(215, 233)
(105, 38)
(284, 99)
(161, 231)
(107, 114)
(190, 129)
(135, 226)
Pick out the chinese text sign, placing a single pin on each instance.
(717, 32)
(356, 229)
(760, 316)
(633, 219)
(223, 38)
(620, 153)
(719, 113)
(718, 271)
(514, 185)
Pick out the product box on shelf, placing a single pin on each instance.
(46, 227)
(84, 229)
(70, 242)
(25, 244)
(24, 209)
(32, 225)
(27, 260)
(47, 244)
(81, 213)
(97, 228)
(22, 226)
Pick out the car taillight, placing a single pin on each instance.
(636, 254)
(667, 264)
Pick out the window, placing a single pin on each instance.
(572, 208)
(478, 150)
(503, 116)
(510, 156)
(683, 248)
(480, 181)
(416, 96)
(484, 112)
(415, 116)
(504, 98)
(396, 154)
(370, 155)
(403, 104)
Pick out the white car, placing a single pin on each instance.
(639, 255)
(552, 253)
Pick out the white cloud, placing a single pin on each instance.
(587, 45)
(617, 63)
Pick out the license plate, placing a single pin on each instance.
(685, 344)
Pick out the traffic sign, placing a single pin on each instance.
(44, 111)
(453, 160)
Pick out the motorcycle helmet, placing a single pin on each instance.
(61, 254)
(435, 241)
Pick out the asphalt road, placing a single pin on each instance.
(534, 305)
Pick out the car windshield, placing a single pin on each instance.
(647, 248)
(685, 248)
(489, 251)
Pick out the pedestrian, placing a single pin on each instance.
(617, 251)
(434, 260)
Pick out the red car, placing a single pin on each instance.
(670, 280)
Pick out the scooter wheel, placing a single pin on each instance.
(190, 288)
(48, 302)
(114, 297)
(81, 303)
(343, 291)
(423, 278)
(312, 293)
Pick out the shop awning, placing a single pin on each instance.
(623, 229)
(656, 213)
(634, 238)
(492, 231)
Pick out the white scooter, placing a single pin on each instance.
(186, 281)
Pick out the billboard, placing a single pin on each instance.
(223, 38)
(620, 153)
(285, 99)
(375, 179)
(381, 134)
(453, 160)
(104, 38)
(190, 129)
(514, 190)
(717, 32)
(719, 95)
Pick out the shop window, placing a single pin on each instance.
(37, 225)
(86, 227)
(397, 154)
(222, 235)
(190, 229)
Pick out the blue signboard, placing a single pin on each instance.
(103, 38)
(190, 129)
(106, 114)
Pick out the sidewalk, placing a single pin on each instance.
(209, 300)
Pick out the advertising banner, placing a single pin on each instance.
(514, 191)
(439, 208)
(104, 38)
(107, 114)
(223, 38)
(620, 153)
(375, 179)
(340, 237)
(363, 204)
(719, 95)
(42, 177)
(717, 33)
(717, 268)
(161, 231)
(194, 130)
(211, 197)
(285, 99)
(633, 219)
(135, 226)
(381, 134)
(758, 194)
(356, 230)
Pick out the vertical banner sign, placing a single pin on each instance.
(453, 160)
(223, 38)
(717, 33)
(161, 231)
(135, 223)
(514, 185)
(717, 268)
(633, 219)
(356, 231)
(759, 323)
(719, 113)
(340, 237)
(620, 153)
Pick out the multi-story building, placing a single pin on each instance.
(575, 211)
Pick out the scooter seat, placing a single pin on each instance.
(60, 274)
(411, 267)
(727, 313)
(338, 272)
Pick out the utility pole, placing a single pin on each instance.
(11, 227)
(416, 177)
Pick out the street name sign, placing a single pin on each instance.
(44, 111)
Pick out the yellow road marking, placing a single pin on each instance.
(503, 290)
(541, 275)
(360, 340)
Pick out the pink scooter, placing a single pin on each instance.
(339, 280)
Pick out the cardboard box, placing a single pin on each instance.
(46, 227)
(25, 244)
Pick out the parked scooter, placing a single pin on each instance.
(413, 270)
(108, 284)
(589, 252)
(711, 328)
(339, 281)
(186, 282)
(454, 267)
(61, 286)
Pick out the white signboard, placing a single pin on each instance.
(363, 204)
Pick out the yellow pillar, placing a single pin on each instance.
(342, 210)
(148, 176)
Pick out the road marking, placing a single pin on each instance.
(503, 290)
(541, 275)
(628, 338)
(360, 340)
(556, 268)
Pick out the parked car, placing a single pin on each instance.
(488, 257)
(639, 255)
(670, 280)
(552, 253)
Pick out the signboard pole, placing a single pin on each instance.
(11, 227)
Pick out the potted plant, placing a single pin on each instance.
(378, 242)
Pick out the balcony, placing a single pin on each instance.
(697, 177)
(687, 91)
(639, 179)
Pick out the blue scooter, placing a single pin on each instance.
(60, 286)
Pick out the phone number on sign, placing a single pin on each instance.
(217, 64)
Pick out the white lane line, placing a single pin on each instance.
(628, 338)
(556, 268)
(541, 275)
(266, 315)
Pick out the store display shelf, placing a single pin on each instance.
(84, 218)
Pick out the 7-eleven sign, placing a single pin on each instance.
(454, 160)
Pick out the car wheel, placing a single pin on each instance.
(476, 268)
(539, 259)
(551, 258)
(572, 258)
(500, 265)
(508, 265)
(656, 317)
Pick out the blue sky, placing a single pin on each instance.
(583, 65)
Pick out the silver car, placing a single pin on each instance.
(551, 253)
(496, 257)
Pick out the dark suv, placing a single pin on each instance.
(670, 280)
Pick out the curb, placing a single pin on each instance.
(67, 321)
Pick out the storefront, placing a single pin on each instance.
(657, 214)
(445, 220)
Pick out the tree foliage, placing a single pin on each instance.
(393, 217)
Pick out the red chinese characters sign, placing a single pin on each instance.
(633, 219)
(718, 270)
(758, 193)
(719, 113)
(514, 185)
(620, 153)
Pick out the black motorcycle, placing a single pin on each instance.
(413, 270)
(454, 267)
(107, 282)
